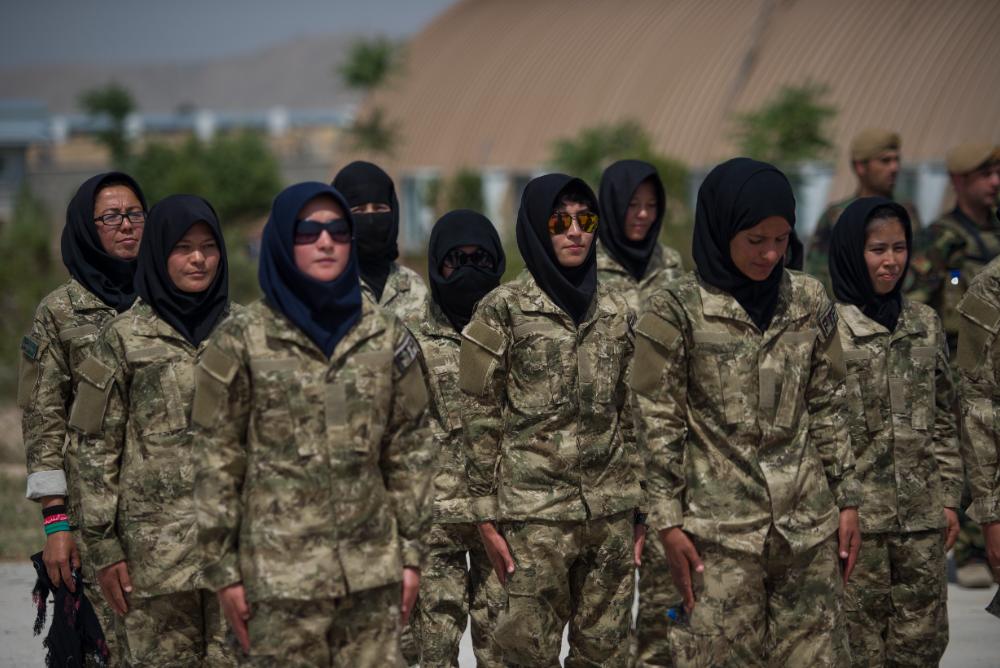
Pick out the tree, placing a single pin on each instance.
(791, 128)
(374, 133)
(111, 104)
(369, 66)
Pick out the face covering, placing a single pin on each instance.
(618, 184)
(735, 196)
(458, 294)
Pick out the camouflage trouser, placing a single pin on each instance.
(451, 592)
(360, 630)
(176, 631)
(657, 594)
(105, 615)
(897, 611)
(774, 609)
(576, 572)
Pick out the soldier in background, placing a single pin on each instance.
(552, 459)
(875, 156)
(313, 463)
(465, 261)
(900, 414)
(133, 403)
(104, 224)
(375, 209)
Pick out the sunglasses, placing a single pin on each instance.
(560, 222)
(308, 231)
(477, 258)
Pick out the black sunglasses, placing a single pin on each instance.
(456, 258)
(308, 231)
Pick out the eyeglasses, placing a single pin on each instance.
(560, 222)
(308, 231)
(477, 258)
(115, 220)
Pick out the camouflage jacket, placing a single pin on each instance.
(744, 430)
(900, 401)
(404, 295)
(65, 329)
(312, 474)
(549, 430)
(133, 408)
(441, 344)
(664, 266)
(978, 364)
(949, 254)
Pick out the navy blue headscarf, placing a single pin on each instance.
(325, 311)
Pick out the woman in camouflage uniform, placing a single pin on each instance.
(104, 223)
(134, 403)
(902, 424)
(750, 476)
(313, 461)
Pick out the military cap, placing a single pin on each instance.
(868, 143)
(966, 158)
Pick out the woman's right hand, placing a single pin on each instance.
(682, 558)
(236, 610)
(115, 586)
(497, 550)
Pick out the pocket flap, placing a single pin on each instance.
(76, 332)
(657, 329)
(218, 365)
(95, 372)
(486, 337)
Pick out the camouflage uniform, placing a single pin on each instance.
(63, 333)
(451, 592)
(404, 295)
(552, 458)
(900, 399)
(747, 450)
(136, 486)
(312, 481)
(664, 266)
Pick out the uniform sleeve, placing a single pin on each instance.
(817, 260)
(483, 365)
(658, 380)
(44, 394)
(978, 353)
(631, 434)
(946, 449)
(408, 453)
(937, 249)
(826, 401)
(220, 414)
(100, 413)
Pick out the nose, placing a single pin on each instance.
(325, 240)
(574, 228)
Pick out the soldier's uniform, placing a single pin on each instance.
(312, 482)
(552, 458)
(404, 295)
(63, 334)
(902, 426)
(746, 450)
(664, 265)
(450, 591)
(136, 488)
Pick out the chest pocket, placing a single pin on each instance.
(922, 386)
(536, 367)
(368, 386)
(718, 369)
(281, 390)
(863, 397)
(600, 361)
(157, 404)
(788, 379)
(79, 342)
(444, 380)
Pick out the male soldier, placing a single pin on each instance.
(875, 163)
(104, 223)
(552, 460)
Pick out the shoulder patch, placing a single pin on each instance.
(407, 351)
(485, 336)
(980, 311)
(30, 348)
(828, 321)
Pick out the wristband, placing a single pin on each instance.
(54, 510)
(55, 519)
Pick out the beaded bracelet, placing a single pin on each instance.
(55, 519)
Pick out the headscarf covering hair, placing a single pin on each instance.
(375, 233)
(458, 294)
(736, 196)
(324, 310)
(106, 276)
(193, 314)
(618, 185)
(572, 289)
(848, 269)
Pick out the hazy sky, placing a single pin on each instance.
(58, 31)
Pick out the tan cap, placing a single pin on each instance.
(966, 158)
(867, 144)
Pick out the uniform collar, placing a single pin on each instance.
(82, 299)
(862, 326)
(435, 323)
(532, 299)
(369, 325)
(717, 303)
(607, 263)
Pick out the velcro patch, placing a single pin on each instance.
(406, 352)
(414, 392)
(485, 336)
(656, 328)
(828, 321)
(980, 311)
(95, 372)
(218, 365)
(77, 332)
(30, 348)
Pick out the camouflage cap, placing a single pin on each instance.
(868, 143)
(966, 158)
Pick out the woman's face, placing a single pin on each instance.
(755, 251)
(194, 260)
(120, 241)
(323, 259)
(641, 212)
(885, 253)
(571, 247)
(371, 207)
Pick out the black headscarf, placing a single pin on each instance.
(325, 311)
(572, 289)
(193, 314)
(848, 269)
(375, 233)
(736, 196)
(106, 276)
(75, 638)
(458, 294)
(618, 184)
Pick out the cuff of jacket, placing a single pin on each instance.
(224, 572)
(46, 483)
(847, 492)
(952, 495)
(414, 554)
(985, 509)
(485, 508)
(665, 514)
(105, 552)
